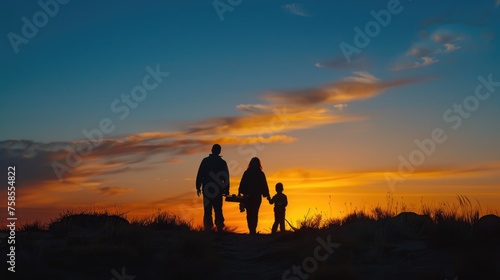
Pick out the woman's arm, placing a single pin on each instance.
(242, 189)
(265, 187)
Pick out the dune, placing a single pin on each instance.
(406, 246)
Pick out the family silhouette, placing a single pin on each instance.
(212, 181)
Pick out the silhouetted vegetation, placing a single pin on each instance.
(163, 220)
(445, 241)
(34, 226)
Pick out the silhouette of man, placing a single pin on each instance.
(213, 181)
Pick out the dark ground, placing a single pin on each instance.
(408, 246)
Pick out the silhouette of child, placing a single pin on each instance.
(280, 202)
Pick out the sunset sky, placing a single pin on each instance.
(343, 102)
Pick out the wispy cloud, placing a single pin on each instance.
(358, 61)
(112, 191)
(425, 61)
(361, 86)
(449, 47)
(295, 9)
(340, 107)
(444, 36)
(277, 119)
(324, 178)
(423, 53)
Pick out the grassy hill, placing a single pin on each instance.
(440, 243)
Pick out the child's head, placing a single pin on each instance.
(279, 187)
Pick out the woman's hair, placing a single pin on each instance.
(254, 164)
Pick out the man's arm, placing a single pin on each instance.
(226, 169)
(199, 177)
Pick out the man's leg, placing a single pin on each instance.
(207, 215)
(219, 217)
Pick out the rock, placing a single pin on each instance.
(487, 228)
(410, 225)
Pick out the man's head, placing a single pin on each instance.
(216, 149)
(279, 187)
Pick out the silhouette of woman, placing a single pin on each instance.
(254, 185)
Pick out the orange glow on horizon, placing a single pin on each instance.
(310, 192)
(332, 194)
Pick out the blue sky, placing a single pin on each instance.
(88, 54)
(226, 76)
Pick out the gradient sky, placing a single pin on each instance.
(262, 78)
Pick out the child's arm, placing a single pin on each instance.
(271, 200)
(286, 201)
